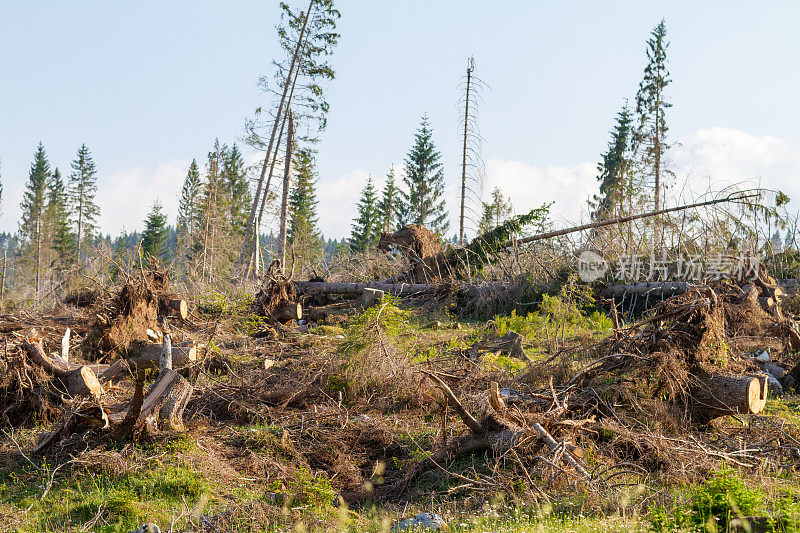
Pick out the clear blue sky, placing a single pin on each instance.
(148, 85)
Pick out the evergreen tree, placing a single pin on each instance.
(189, 206)
(423, 203)
(650, 137)
(155, 232)
(362, 236)
(613, 169)
(33, 208)
(495, 212)
(82, 190)
(238, 191)
(303, 234)
(215, 227)
(387, 207)
(60, 236)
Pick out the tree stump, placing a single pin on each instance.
(370, 297)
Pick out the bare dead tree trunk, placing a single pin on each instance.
(252, 261)
(80, 224)
(620, 220)
(246, 244)
(3, 282)
(38, 253)
(470, 68)
(214, 171)
(285, 199)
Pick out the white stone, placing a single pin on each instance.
(763, 357)
(421, 521)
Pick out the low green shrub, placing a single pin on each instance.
(711, 506)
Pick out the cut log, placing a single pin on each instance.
(664, 289)
(178, 307)
(183, 354)
(287, 311)
(149, 356)
(77, 380)
(319, 314)
(356, 289)
(82, 382)
(715, 395)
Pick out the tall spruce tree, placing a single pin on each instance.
(650, 136)
(82, 190)
(424, 203)
(362, 236)
(215, 227)
(233, 173)
(303, 232)
(387, 207)
(33, 209)
(189, 205)
(155, 232)
(614, 169)
(59, 232)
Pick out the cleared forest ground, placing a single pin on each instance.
(362, 420)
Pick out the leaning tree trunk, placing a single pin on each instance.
(285, 197)
(251, 219)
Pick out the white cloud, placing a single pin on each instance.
(730, 156)
(126, 197)
(337, 202)
(530, 186)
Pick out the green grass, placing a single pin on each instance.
(711, 506)
(123, 502)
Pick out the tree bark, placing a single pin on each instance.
(178, 306)
(287, 311)
(370, 297)
(149, 356)
(78, 380)
(165, 402)
(285, 198)
(715, 395)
